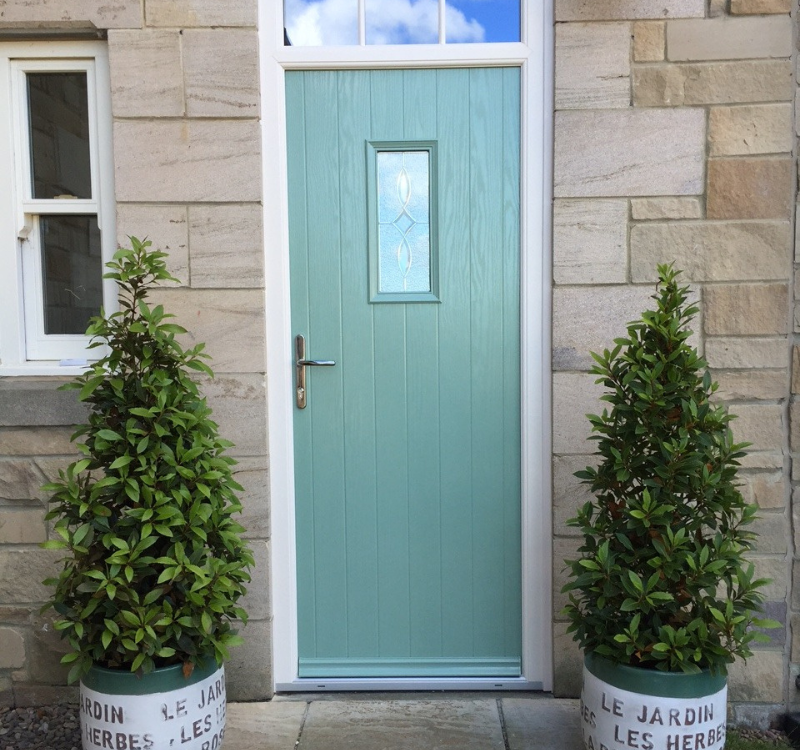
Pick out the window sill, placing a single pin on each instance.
(41, 368)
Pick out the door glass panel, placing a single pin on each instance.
(479, 21)
(71, 272)
(404, 221)
(314, 23)
(59, 135)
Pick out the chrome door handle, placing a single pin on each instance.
(300, 365)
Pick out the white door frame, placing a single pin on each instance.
(534, 57)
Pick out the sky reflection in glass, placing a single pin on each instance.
(335, 22)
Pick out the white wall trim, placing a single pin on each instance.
(534, 56)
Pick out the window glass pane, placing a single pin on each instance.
(59, 134)
(311, 23)
(404, 221)
(402, 21)
(482, 21)
(71, 271)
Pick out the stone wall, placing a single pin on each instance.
(185, 103)
(674, 141)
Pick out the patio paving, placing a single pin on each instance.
(404, 722)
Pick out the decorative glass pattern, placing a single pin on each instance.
(404, 246)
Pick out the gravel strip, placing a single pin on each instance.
(40, 728)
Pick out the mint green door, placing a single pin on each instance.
(407, 453)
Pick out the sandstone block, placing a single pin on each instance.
(257, 600)
(717, 8)
(772, 529)
(762, 460)
(564, 548)
(746, 309)
(767, 489)
(712, 83)
(738, 353)
(612, 10)
(22, 526)
(749, 188)
(590, 318)
(795, 371)
(46, 648)
(759, 424)
(67, 14)
(740, 385)
(44, 695)
(729, 38)
(569, 493)
(22, 571)
(165, 226)
(592, 65)
(249, 670)
(146, 75)
(760, 680)
(574, 396)
(629, 152)
(589, 241)
(567, 662)
(221, 72)
(775, 569)
(42, 441)
(252, 473)
(227, 246)
(794, 426)
(35, 403)
(240, 408)
(12, 649)
(759, 7)
(795, 626)
(19, 480)
(753, 129)
(187, 161)
(193, 13)
(655, 209)
(231, 325)
(649, 39)
(711, 252)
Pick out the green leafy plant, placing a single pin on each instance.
(156, 562)
(661, 581)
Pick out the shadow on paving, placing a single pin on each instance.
(434, 721)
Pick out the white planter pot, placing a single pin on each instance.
(642, 709)
(159, 711)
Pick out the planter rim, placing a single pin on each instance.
(654, 682)
(161, 680)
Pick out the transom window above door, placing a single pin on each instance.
(313, 23)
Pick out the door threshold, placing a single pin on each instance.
(407, 684)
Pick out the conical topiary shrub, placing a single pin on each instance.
(156, 563)
(662, 581)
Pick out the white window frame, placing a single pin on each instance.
(534, 56)
(24, 347)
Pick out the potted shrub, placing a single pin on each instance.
(661, 596)
(148, 592)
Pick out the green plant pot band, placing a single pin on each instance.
(122, 682)
(654, 682)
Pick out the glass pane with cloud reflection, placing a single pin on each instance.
(313, 23)
(402, 21)
(483, 21)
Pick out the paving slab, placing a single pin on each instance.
(402, 725)
(542, 724)
(264, 726)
